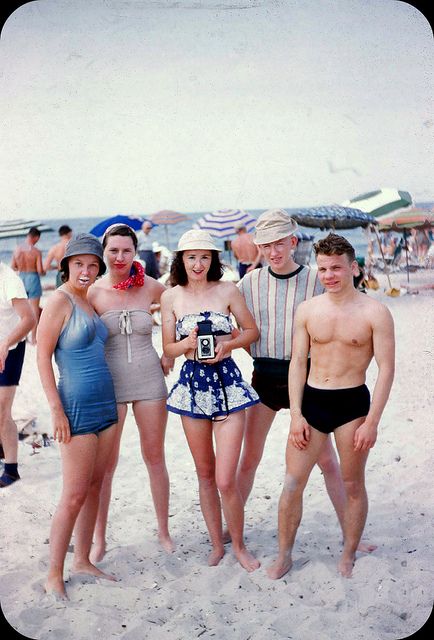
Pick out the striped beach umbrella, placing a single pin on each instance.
(221, 223)
(381, 202)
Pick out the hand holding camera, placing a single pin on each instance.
(205, 341)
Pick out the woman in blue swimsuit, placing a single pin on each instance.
(82, 405)
(210, 395)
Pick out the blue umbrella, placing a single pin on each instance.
(135, 222)
(332, 216)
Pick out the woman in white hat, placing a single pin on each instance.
(82, 405)
(210, 394)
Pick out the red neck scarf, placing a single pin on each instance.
(135, 279)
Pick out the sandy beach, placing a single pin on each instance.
(178, 596)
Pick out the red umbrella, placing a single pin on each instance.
(165, 217)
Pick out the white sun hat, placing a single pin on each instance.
(196, 239)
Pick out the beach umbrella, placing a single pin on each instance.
(221, 223)
(135, 222)
(404, 221)
(332, 216)
(166, 217)
(380, 202)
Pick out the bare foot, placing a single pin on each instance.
(215, 556)
(90, 570)
(167, 543)
(247, 560)
(365, 547)
(97, 552)
(226, 536)
(346, 564)
(281, 566)
(56, 587)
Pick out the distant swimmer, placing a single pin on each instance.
(57, 251)
(27, 259)
(343, 330)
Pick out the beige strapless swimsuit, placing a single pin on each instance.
(131, 356)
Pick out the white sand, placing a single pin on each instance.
(174, 597)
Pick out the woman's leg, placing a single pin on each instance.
(151, 419)
(99, 545)
(78, 457)
(229, 436)
(200, 441)
(85, 524)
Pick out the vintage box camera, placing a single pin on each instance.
(205, 341)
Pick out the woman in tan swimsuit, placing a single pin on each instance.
(123, 300)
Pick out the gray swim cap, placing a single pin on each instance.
(83, 244)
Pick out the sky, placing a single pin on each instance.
(120, 106)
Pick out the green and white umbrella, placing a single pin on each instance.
(380, 202)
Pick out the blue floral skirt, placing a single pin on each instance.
(209, 391)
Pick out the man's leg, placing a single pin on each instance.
(299, 464)
(259, 419)
(8, 436)
(356, 503)
(34, 303)
(329, 464)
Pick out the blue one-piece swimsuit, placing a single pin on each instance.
(85, 383)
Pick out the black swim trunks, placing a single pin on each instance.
(11, 374)
(270, 381)
(327, 409)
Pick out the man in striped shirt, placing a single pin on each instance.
(272, 294)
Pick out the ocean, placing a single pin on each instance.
(357, 237)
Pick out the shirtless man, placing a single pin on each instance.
(272, 295)
(57, 251)
(344, 330)
(245, 250)
(27, 259)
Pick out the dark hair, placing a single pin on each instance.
(64, 229)
(333, 245)
(34, 232)
(178, 274)
(120, 230)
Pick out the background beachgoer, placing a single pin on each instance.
(27, 259)
(16, 320)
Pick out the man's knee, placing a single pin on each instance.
(354, 487)
(293, 484)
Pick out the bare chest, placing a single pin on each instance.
(335, 328)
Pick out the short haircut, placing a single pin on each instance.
(333, 245)
(178, 274)
(120, 230)
(34, 232)
(64, 229)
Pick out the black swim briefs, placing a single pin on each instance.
(327, 409)
(270, 381)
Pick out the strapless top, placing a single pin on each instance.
(221, 323)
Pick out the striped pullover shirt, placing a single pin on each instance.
(273, 299)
